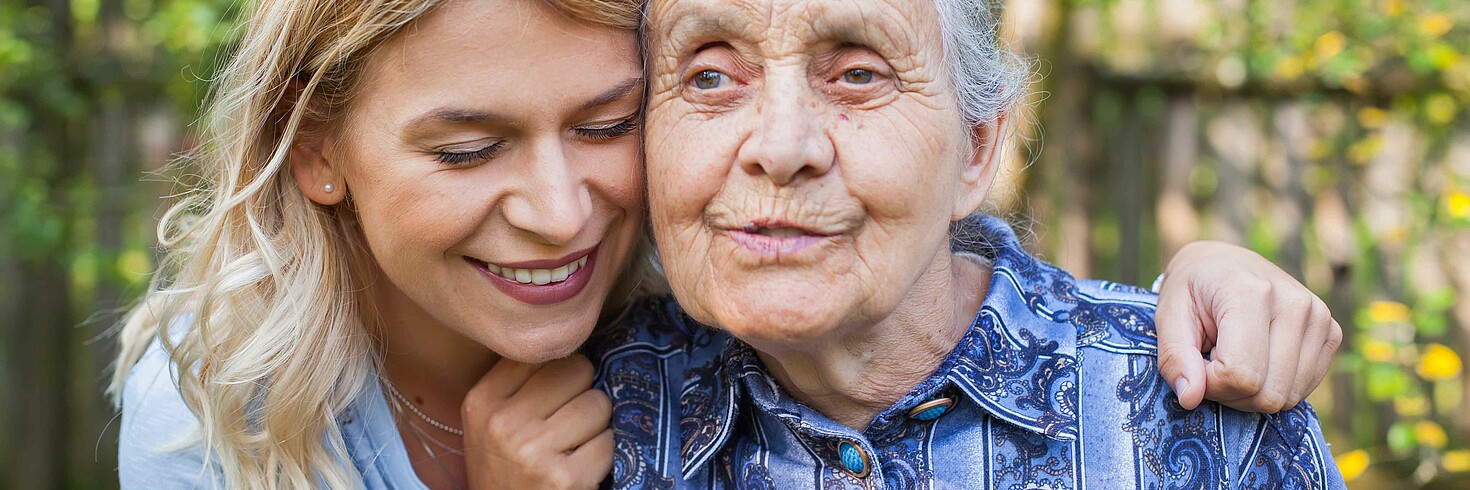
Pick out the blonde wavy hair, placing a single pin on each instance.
(259, 299)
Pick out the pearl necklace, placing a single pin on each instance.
(403, 401)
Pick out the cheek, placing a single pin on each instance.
(409, 217)
(615, 173)
(899, 169)
(689, 158)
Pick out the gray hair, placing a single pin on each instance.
(988, 78)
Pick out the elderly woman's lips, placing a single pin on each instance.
(774, 241)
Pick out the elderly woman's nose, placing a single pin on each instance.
(790, 138)
(554, 202)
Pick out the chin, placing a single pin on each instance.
(766, 322)
(544, 343)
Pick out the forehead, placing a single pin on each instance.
(510, 52)
(893, 24)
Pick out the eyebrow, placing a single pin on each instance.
(613, 94)
(462, 115)
(705, 22)
(456, 115)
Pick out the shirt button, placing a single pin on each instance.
(931, 409)
(854, 459)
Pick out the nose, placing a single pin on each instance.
(553, 203)
(788, 141)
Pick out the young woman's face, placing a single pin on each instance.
(491, 154)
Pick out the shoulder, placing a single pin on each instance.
(1115, 317)
(158, 444)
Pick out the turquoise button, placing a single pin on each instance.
(853, 459)
(931, 410)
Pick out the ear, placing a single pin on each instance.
(314, 173)
(979, 171)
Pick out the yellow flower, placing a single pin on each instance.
(1440, 109)
(1388, 312)
(1438, 362)
(1457, 460)
(1435, 25)
(1393, 7)
(1411, 406)
(1372, 117)
(1329, 44)
(1366, 149)
(1457, 204)
(1352, 464)
(1430, 434)
(1378, 351)
(1289, 67)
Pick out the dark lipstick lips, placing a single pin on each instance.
(545, 294)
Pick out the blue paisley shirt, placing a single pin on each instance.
(1055, 386)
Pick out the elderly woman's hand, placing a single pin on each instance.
(1270, 340)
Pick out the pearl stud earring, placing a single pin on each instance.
(329, 188)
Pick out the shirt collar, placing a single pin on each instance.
(1018, 361)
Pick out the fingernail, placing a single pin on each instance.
(1180, 385)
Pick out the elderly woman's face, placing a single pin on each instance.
(804, 159)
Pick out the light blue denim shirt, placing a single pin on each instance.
(156, 450)
(1055, 385)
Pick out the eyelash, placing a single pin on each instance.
(452, 158)
(602, 134)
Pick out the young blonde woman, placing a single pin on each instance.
(414, 212)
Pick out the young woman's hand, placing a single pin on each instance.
(1270, 339)
(537, 426)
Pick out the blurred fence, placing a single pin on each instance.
(1330, 135)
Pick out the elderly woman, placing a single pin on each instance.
(807, 164)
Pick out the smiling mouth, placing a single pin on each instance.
(775, 239)
(539, 277)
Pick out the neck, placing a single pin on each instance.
(853, 378)
(431, 364)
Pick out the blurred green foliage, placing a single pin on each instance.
(1372, 208)
(1335, 140)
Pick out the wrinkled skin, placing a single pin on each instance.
(811, 116)
(757, 121)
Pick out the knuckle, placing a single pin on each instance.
(1271, 401)
(1253, 286)
(473, 406)
(1334, 337)
(581, 369)
(501, 426)
(1241, 379)
(601, 405)
(555, 478)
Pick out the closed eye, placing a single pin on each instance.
(479, 155)
(608, 131)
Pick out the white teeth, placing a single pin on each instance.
(538, 277)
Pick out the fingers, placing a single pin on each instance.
(1181, 338)
(580, 420)
(595, 457)
(1286, 344)
(523, 422)
(502, 381)
(1323, 337)
(557, 382)
(1241, 359)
